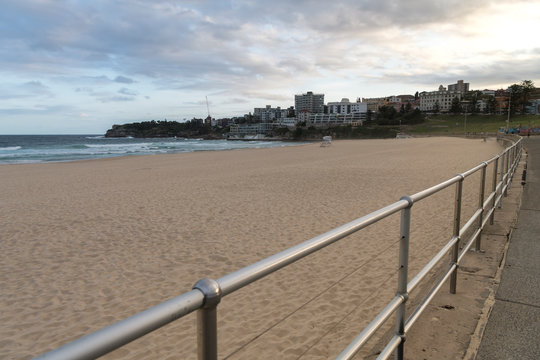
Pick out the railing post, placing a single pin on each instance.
(506, 167)
(499, 205)
(207, 319)
(493, 188)
(481, 205)
(457, 222)
(405, 229)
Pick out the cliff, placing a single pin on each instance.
(154, 129)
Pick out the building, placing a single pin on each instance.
(346, 107)
(268, 113)
(441, 100)
(325, 120)
(534, 107)
(460, 86)
(438, 101)
(251, 129)
(309, 102)
(373, 104)
(289, 122)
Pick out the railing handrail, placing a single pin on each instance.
(206, 293)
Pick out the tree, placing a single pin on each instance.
(369, 117)
(473, 97)
(402, 109)
(416, 96)
(456, 106)
(491, 104)
(386, 112)
(516, 92)
(436, 107)
(408, 107)
(527, 87)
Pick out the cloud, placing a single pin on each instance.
(126, 91)
(123, 80)
(259, 52)
(29, 89)
(116, 99)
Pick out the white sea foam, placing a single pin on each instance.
(58, 148)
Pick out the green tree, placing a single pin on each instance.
(408, 107)
(436, 107)
(516, 93)
(455, 108)
(491, 104)
(527, 87)
(386, 112)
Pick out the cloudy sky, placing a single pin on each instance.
(78, 67)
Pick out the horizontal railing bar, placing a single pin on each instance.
(487, 203)
(499, 197)
(434, 189)
(253, 272)
(473, 170)
(389, 348)
(495, 158)
(421, 307)
(369, 330)
(486, 218)
(470, 222)
(431, 264)
(123, 332)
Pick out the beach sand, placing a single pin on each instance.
(86, 244)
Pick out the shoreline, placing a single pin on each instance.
(90, 243)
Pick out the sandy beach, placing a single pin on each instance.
(86, 244)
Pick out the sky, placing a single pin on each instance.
(78, 67)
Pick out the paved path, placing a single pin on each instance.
(513, 329)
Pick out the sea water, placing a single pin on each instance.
(17, 149)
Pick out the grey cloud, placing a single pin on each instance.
(116, 99)
(36, 110)
(123, 80)
(126, 91)
(213, 45)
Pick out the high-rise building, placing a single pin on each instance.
(309, 102)
(461, 87)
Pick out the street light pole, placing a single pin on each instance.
(466, 104)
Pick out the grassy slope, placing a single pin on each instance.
(454, 124)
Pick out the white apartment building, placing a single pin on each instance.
(428, 100)
(443, 97)
(346, 107)
(286, 121)
(309, 102)
(324, 120)
(268, 113)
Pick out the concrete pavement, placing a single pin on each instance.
(513, 328)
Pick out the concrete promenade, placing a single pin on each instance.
(513, 328)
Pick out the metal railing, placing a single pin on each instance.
(207, 293)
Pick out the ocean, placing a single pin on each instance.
(18, 149)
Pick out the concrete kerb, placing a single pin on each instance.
(438, 334)
(476, 337)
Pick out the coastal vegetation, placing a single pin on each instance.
(459, 124)
(152, 129)
(387, 123)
